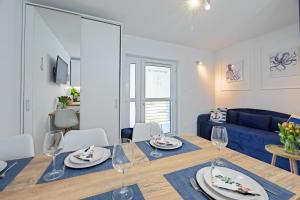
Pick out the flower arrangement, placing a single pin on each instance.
(289, 134)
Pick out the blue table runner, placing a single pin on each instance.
(186, 147)
(137, 194)
(70, 172)
(180, 181)
(13, 172)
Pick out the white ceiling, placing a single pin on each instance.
(228, 22)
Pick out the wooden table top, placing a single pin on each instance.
(278, 151)
(147, 174)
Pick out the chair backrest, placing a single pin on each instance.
(79, 139)
(16, 147)
(142, 131)
(65, 118)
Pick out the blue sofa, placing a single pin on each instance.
(249, 130)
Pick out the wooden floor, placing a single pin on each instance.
(147, 174)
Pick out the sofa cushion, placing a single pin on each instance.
(251, 138)
(274, 123)
(232, 116)
(261, 122)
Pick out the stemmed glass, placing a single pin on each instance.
(155, 133)
(219, 138)
(122, 163)
(53, 144)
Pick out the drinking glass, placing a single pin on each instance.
(219, 138)
(156, 134)
(122, 163)
(53, 144)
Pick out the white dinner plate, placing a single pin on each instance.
(177, 143)
(239, 177)
(3, 165)
(106, 155)
(98, 154)
(210, 191)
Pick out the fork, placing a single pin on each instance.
(3, 173)
(199, 189)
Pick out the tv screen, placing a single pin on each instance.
(61, 71)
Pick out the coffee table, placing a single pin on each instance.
(277, 150)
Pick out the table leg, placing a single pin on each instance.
(274, 157)
(291, 165)
(295, 167)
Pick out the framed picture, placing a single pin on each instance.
(235, 74)
(235, 71)
(284, 62)
(280, 67)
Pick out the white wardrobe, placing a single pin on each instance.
(48, 33)
(100, 76)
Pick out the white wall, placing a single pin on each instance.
(195, 83)
(10, 76)
(283, 100)
(45, 91)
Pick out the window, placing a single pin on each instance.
(151, 92)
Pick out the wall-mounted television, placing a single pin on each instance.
(61, 71)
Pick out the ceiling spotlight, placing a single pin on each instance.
(207, 5)
(198, 4)
(193, 4)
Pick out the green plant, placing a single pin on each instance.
(75, 93)
(64, 101)
(289, 134)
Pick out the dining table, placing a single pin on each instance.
(148, 174)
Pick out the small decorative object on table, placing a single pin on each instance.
(75, 94)
(64, 101)
(289, 134)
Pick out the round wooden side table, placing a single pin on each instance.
(277, 150)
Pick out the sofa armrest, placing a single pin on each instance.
(203, 117)
(203, 126)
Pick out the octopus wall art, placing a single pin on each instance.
(284, 60)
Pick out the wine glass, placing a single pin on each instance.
(219, 138)
(155, 134)
(53, 144)
(122, 163)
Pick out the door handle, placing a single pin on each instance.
(116, 103)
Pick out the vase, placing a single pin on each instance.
(290, 147)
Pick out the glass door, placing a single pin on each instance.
(149, 93)
(157, 94)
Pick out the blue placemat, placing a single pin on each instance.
(13, 172)
(180, 181)
(186, 147)
(70, 172)
(137, 194)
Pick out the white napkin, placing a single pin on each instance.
(165, 142)
(86, 154)
(222, 181)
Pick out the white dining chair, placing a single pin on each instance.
(16, 147)
(79, 139)
(65, 119)
(142, 131)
